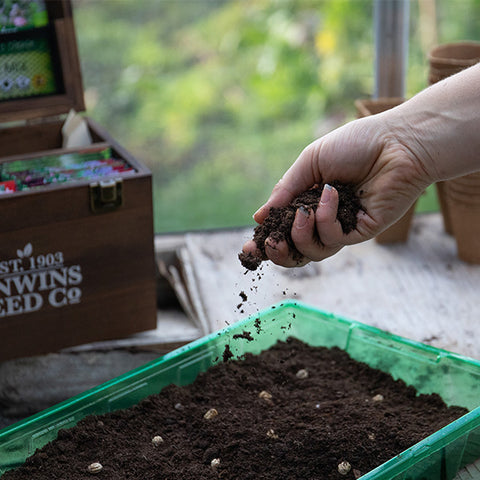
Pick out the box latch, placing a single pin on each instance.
(106, 195)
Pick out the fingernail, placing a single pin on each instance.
(302, 217)
(258, 211)
(271, 243)
(326, 194)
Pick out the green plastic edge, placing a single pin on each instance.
(387, 471)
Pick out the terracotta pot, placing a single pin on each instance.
(449, 58)
(372, 106)
(398, 232)
(446, 60)
(463, 200)
(441, 188)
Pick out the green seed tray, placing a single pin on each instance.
(438, 457)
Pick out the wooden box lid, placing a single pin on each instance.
(57, 87)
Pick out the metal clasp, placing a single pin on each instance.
(106, 195)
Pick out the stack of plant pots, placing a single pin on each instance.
(459, 199)
(463, 203)
(398, 232)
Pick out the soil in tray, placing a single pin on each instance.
(324, 409)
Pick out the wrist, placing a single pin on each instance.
(440, 126)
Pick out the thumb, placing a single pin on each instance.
(302, 175)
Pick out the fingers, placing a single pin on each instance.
(280, 254)
(328, 227)
(319, 235)
(251, 247)
(281, 195)
(315, 235)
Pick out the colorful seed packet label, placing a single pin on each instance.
(62, 168)
(8, 186)
(22, 15)
(28, 59)
(26, 68)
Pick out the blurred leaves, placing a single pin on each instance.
(218, 97)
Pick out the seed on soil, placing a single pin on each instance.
(378, 398)
(215, 463)
(157, 440)
(271, 434)
(302, 373)
(264, 395)
(344, 467)
(210, 414)
(94, 467)
(191, 442)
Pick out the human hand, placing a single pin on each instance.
(388, 179)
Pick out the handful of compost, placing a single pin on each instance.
(278, 224)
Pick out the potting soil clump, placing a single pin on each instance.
(292, 412)
(278, 224)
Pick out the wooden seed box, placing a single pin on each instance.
(76, 259)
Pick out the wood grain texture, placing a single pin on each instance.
(113, 252)
(26, 139)
(107, 259)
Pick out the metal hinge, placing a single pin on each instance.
(106, 195)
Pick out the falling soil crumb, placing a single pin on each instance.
(227, 353)
(306, 431)
(244, 298)
(245, 335)
(278, 224)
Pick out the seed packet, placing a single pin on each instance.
(8, 186)
(63, 168)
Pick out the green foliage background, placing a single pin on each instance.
(218, 97)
